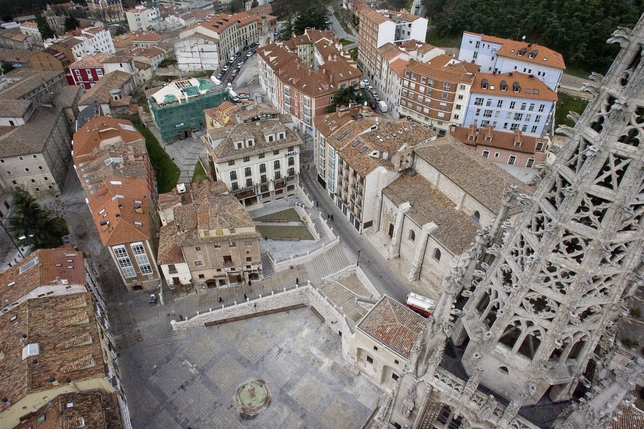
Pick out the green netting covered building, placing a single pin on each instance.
(178, 107)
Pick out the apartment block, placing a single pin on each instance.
(494, 54)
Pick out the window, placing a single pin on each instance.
(478, 112)
(541, 107)
(228, 259)
(524, 128)
(539, 147)
(40, 420)
(458, 107)
(231, 162)
(249, 182)
(523, 105)
(232, 244)
(497, 154)
(198, 263)
(486, 154)
(278, 175)
(276, 164)
(518, 116)
(530, 163)
(478, 102)
(499, 103)
(234, 186)
(246, 158)
(437, 254)
(261, 155)
(247, 171)
(276, 152)
(370, 359)
(247, 243)
(217, 245)
(412, 235)
(446, 86)
(531, 107)
(124, 262)
(487, 113)
(291, 161)
(233, 175)
(375, 348)
(537, 119)
(262, 168)
(512, 159)
(512, 103)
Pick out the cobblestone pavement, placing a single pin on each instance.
(190, 383)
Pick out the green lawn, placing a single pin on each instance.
(345, 42)
(167, 171)
(566, 104)
(285, 232)
(289, 215)
(200, 174)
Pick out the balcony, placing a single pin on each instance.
(245, 193)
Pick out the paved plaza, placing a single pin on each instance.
(189, 381)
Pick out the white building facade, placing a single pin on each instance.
(142, 18)
(494, 54)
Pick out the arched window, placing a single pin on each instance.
(437, 254)
(511, 334)
(476, 217)
(412, 235)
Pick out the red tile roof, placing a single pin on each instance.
(527, 86)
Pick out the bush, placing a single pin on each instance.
(630, 343)
(635, 312)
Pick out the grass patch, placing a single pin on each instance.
(289, 215)
(167, 171)
(354, 53)
(443, 42)
(566, 104)
(200, 174)
(285, 232)
(343, 24)
(346, 42)
(578, 72)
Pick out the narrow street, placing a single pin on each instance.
(371, 262)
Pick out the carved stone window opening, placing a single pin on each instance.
(511, 334)
(626, 74)
(612, 172)
(556, 194)
(591, 211)
(556, 278)
(600, 117)
(572, 247)
(530, 344)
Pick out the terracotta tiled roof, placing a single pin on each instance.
(148, 37)
(393, 325)
(479, 177)
(88, 138)
(93, 409)
(126, 204)
(383, 15)
(440, 70)
(389, 51)
(55, 324)
(456, 231)
(15, 55)
(511, 49)
(90, 61)
(31, 137)
(150, 52)
(15, 108)
(356, 142)
(416, 45)
(399, 67)
(117, 59)
(257, 130)
(505, 83)
(488, 136)
(206, 207)
(631, 417)
(101, 90)
(42, 268)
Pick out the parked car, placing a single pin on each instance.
(153, 299)
(254, 45)
(250, 54)
(225, 69)
(374, 105)
(244, 96)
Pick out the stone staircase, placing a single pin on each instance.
(379, 241)
(329, 262)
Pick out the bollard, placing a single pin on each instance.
(234, 302)
(197, 314)
(272, 292)
(210, 310)
(173, 323)
(260, 295)
(284, 289)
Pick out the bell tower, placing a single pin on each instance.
(543, 295)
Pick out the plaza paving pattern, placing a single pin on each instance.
(190, 382)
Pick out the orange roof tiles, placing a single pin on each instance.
(488, 136)
(90, 61)
(506, 84)
(48, 323)
(100, 128)
(511, 49)
(394, 325)
(121, 211)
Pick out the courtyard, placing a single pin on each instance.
(190, 380)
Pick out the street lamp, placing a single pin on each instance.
(358, 262)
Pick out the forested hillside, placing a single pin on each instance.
(578, 29)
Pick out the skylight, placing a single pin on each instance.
(28, 264)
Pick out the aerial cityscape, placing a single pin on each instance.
(419, 214)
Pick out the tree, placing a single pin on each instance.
(43, 26)
(71, 23)
(32, 225)
(6, 67)
(236, 6)
(345, 96)
(255, 3)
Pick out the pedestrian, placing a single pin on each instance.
(245, 297)
(317, 204)
(250, 283)
(255, 305)
(180, 317)
(328, 217)
(331, 217)
(297, 281)
(221, 300)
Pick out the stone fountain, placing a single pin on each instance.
(251, 398)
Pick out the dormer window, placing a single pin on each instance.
(521, 52)
(281, 136)
(470, 137)
(533, 54)
(250, 142)
(504, 85)
(270, 138)
(239, 145)
(488, 138)
(517, 143)
(484, 84)
(516, 87)
(539, 146)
